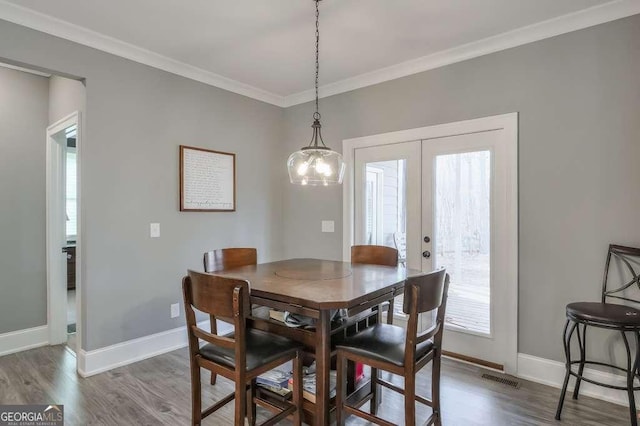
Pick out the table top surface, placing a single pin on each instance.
(320, 284)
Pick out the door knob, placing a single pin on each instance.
(426, 254)
(427, 239)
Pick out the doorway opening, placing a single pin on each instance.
(63, 232)
(71, 229)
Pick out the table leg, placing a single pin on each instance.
(323, 367)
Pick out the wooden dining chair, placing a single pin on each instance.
(376, 255)
(227, 258)
(399, 351)
(240, 356)
(384, 256)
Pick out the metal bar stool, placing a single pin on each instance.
(616, 317)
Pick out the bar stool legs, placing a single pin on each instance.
(632, 370)
(566, 342)
(582, 343)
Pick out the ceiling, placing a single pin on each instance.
(269, 45)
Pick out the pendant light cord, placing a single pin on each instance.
(317, 114)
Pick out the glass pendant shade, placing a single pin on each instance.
(316, 166)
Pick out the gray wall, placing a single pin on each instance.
(65, 97)
(23, 120)
(136, 118)
(578, 96)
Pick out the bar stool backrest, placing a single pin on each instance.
(627, 259)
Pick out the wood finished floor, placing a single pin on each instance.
(156, 392)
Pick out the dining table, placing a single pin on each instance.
(339, 298)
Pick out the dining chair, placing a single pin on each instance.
(615, 317)
(399, 351)
(384, 256)
(227, 258)
(240, 356)
(376, 255)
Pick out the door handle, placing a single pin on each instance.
(426, 254)
(427, 239)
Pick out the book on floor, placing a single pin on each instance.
(309, 385)
(274, 378)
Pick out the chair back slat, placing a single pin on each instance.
(430, 290)
(374, 255)
(214, 339)
(628, 260)
(213, 294)
(229, 258)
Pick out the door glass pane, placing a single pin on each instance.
(462, 236)
(385, 208)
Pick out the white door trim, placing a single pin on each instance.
(56, 297)
(506, 122)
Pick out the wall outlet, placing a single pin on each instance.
(175, 310)
(154, 230)
(328, 226)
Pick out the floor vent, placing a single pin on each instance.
(502, 380)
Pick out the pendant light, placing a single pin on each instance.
(316, 164)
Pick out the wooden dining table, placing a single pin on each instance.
(317, 289)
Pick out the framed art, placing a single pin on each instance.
(207, 180)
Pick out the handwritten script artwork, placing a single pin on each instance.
(207, 180)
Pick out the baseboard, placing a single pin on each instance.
(551, 373)
(21, 340)
(100, 360)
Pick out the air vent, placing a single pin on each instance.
(502, 380)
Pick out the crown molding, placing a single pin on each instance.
(63, 29)
(27, 70)
(546, 29)
(563, 24)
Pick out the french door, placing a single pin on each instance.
(449, 202)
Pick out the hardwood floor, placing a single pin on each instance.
(156, 392)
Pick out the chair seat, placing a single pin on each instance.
(605, 313)
(382, 342)
(261, 349)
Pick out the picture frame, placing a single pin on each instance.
(207, 180)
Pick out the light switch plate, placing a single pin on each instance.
(328, 226)
(154, 230)
(175, 310)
